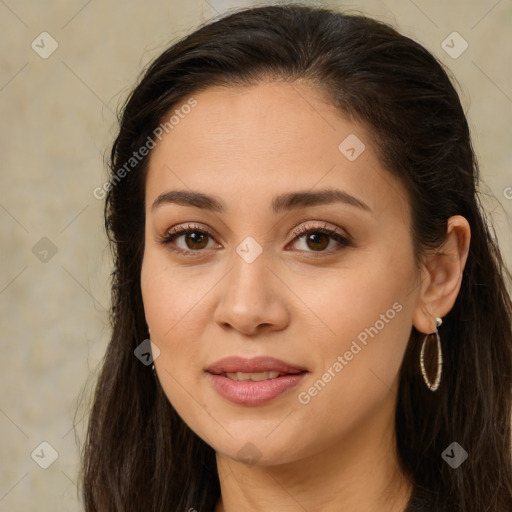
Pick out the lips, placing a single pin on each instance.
(240, 365)
(253, 382)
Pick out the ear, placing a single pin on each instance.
(442, 275)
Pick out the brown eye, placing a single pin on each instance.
(317, 241)
(320, 239)
(196, 240)
(187, 239)
(190, 239)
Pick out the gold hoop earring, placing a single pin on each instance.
(433, 386)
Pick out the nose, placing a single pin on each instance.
(253, 299)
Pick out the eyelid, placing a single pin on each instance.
(304, 229)
(182, 229)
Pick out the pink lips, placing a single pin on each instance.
(253, 392)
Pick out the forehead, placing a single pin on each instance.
(273, 135)
(273, 114)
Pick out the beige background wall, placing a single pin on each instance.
(56, 123)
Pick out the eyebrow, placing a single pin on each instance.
(283, 202)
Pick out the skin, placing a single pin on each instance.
(295, 302)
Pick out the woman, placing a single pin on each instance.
(295, 225)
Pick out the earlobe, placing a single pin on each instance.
(442, 275)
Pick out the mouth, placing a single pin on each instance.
(252, 382)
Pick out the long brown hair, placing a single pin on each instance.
(139, 454)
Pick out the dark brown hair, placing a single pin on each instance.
(139, 454)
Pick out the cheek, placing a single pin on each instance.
(171, 295)
(176, 311)
(357, 298)
(366, 312)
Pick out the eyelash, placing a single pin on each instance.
(299, 232)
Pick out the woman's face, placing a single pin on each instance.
(248, 280)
